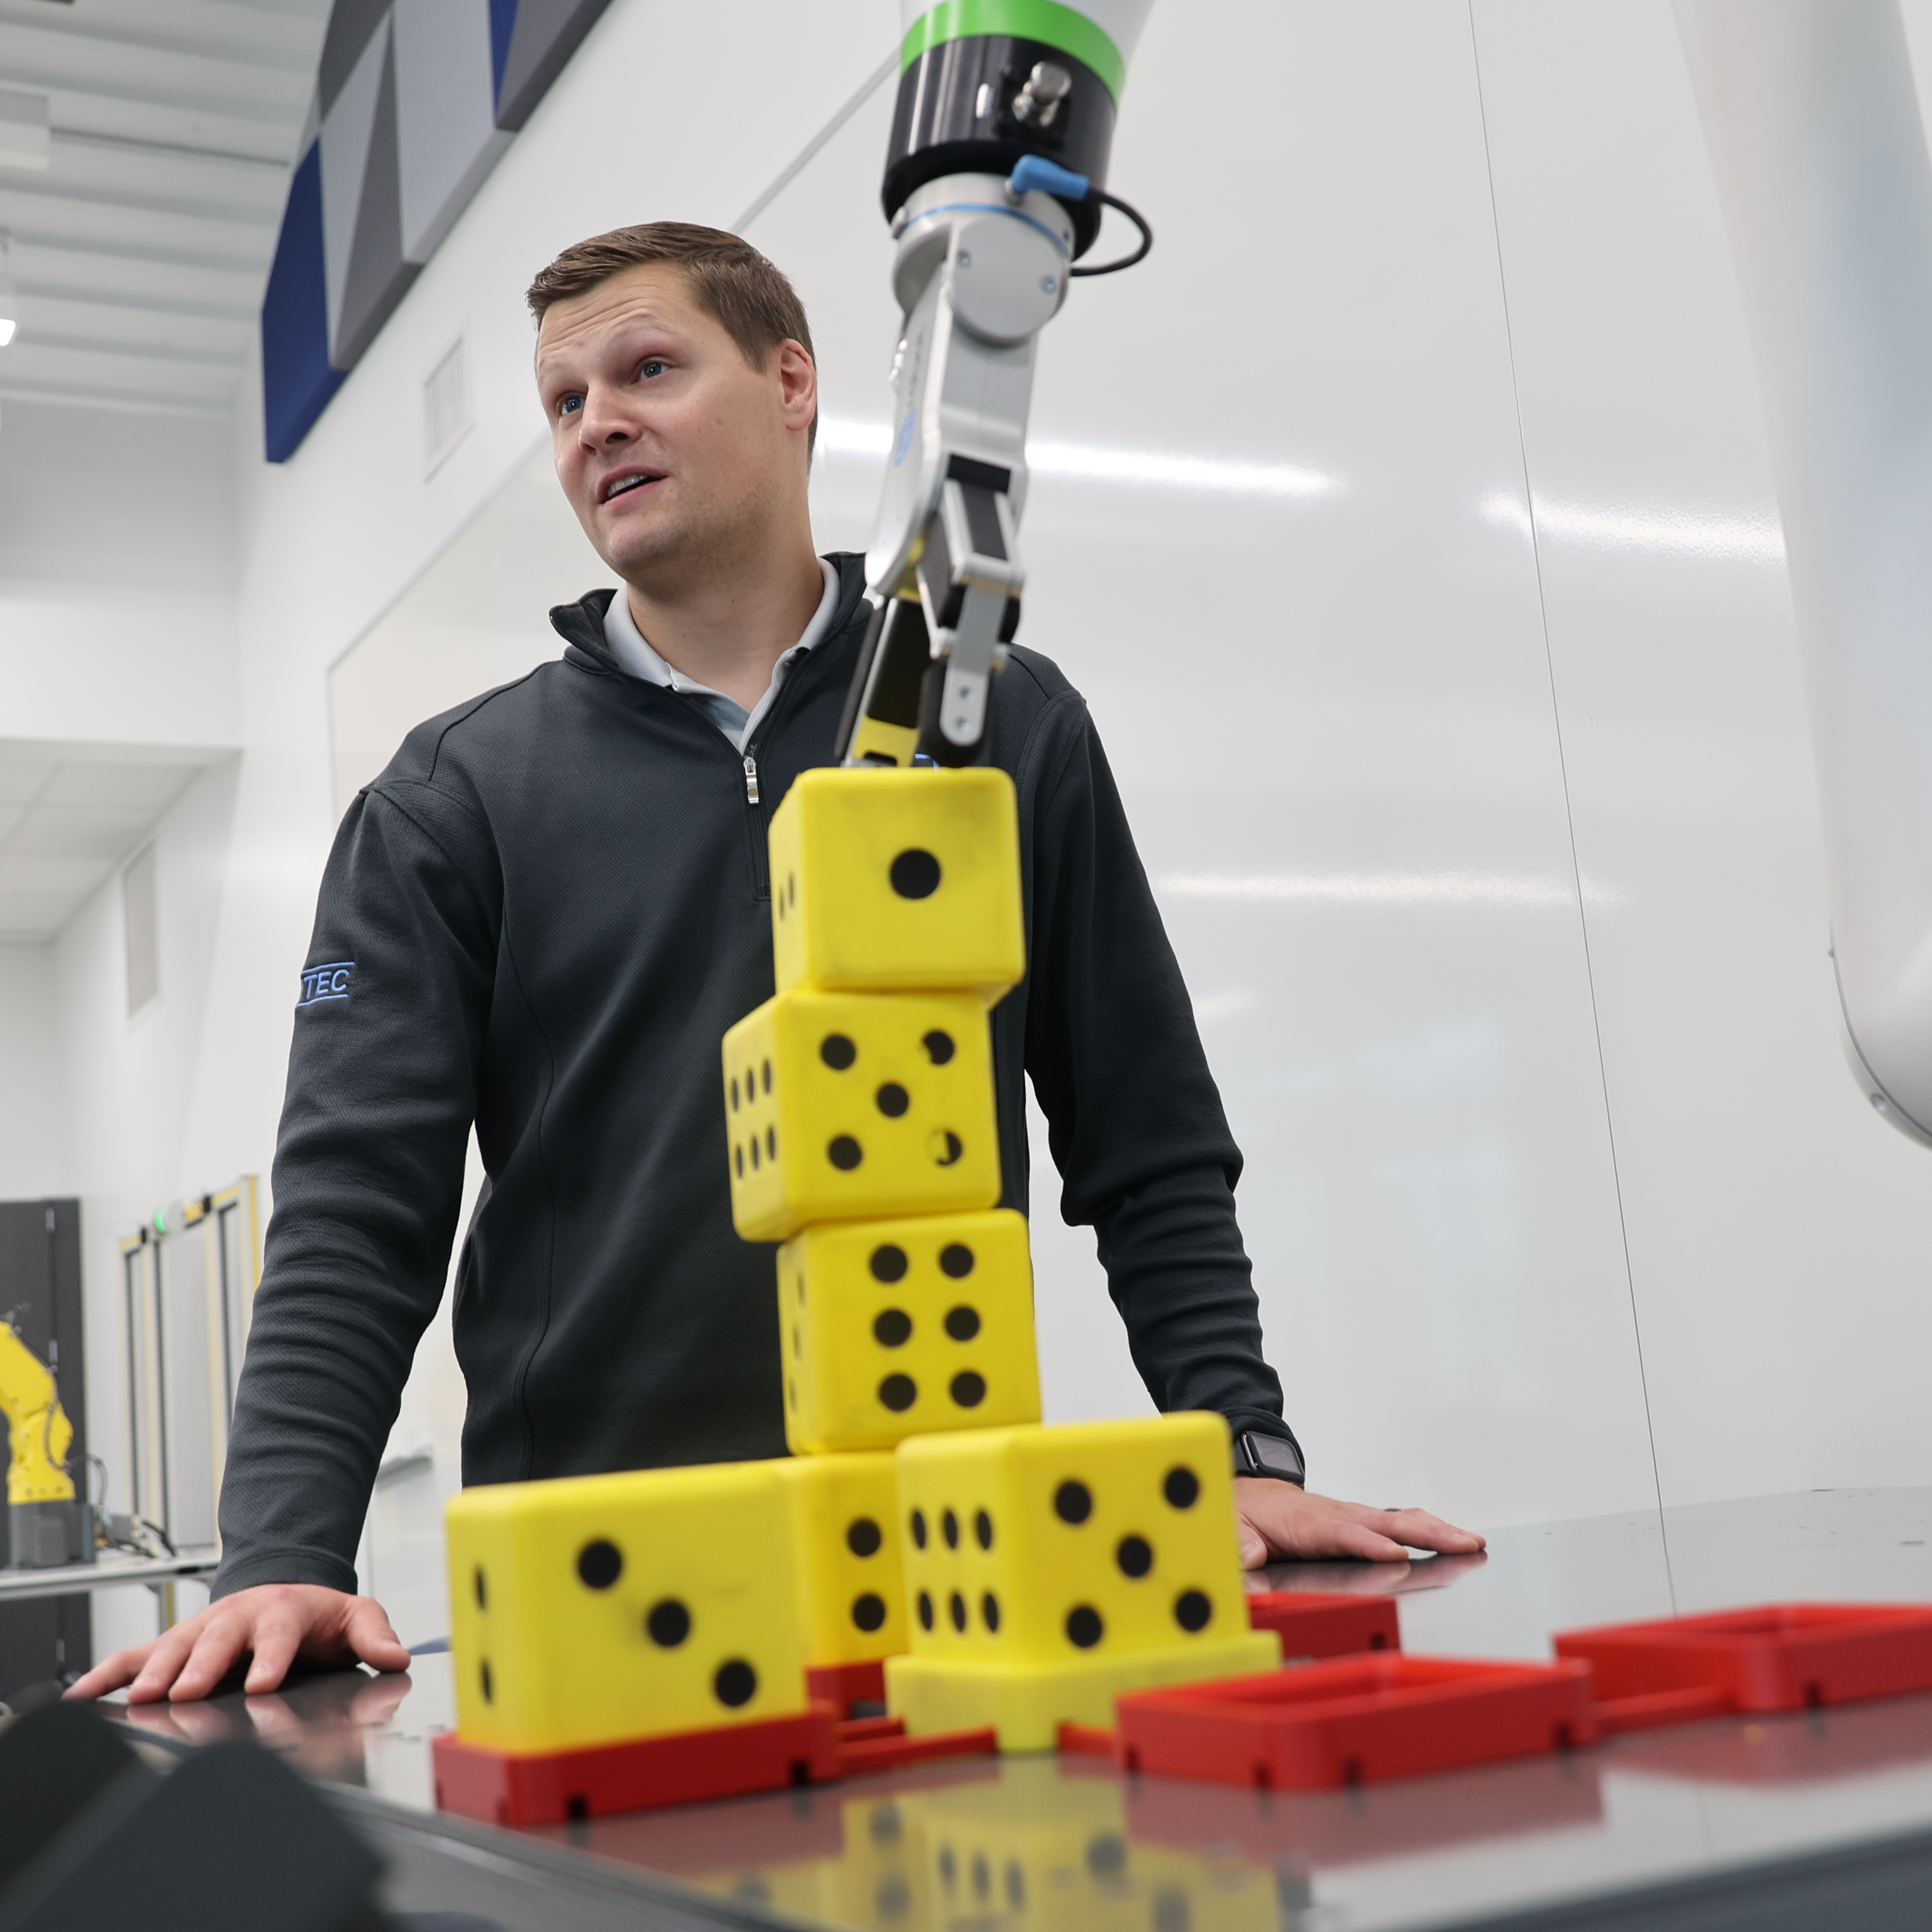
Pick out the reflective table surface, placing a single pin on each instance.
(1724, 1822)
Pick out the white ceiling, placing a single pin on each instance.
(141, 251)
(69, 815)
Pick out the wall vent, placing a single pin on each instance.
(140, 920)
(445, 407)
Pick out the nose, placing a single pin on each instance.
(605, 422)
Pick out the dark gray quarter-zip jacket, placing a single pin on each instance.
(542, 917)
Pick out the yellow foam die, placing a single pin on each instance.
(846, 1106)
(1049, 1569)
(845, 1532)
(889, 881)
(897, 1328)
(588, 1609)
(1025, 1704)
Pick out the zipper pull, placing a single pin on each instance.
(751, 781)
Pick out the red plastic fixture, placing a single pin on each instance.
(1783, 1657)
(1355, 1719)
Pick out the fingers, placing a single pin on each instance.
(123, 1667)
(1421, 1530)
(223, 1637)
(279, 1632)
(165, 1656)
(372, 1639)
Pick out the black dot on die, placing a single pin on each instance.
(738, 1154)
(946, 1147)
(892, 1099)
(489, 1690)
(892, 1327)
(898, 1392)
(1171, 1912)
(754, 1153)
(962, 1323)
(771, 1143)
(949, 1528)
(868, 1612)
(1135, 1555)
(736, 1684)
(888, 1262)
(1106, 1856)
(914, 874)
(768, 1076)
(844, 1153)
(482, 1595)
(599, 1564)
(918, 1526)
(1083, 1627)
(669, 1624)
(863, 1537)
(1072, 1502)
(956, 1260)
(1182, 1487)
(982, 1530)
(956, 1610)
(837, 1052)
(939, 1047)
(924, 1611)
(989, 1611)
(1191, 1610)
(969, 1388)
(734, 1092)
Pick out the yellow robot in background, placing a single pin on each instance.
(45, 1519)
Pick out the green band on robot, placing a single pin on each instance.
(1043, 20)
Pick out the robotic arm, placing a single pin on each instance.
(994, 186)
(45, 1521)
(1820, 159)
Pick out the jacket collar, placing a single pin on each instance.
(581, 624)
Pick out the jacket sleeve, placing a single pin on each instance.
(368, 1182)
(1135, 1121)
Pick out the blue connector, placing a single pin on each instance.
(1035, 171)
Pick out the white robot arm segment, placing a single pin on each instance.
(1815, 136)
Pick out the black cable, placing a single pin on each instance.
(1139, 221)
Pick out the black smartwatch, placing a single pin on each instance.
(1276, 1456)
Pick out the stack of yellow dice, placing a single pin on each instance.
(860, 1113)
(1004, 1574)
(859, 1104)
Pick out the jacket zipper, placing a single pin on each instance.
(761, 878)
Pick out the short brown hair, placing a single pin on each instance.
(734, 284)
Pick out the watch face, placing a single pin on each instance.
(1268, 1456)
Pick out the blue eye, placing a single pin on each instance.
(653, 367)
(569, 405)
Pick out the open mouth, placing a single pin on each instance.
(622, 486)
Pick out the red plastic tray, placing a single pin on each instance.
(846, 1685)
(1324, 1623)
(1355, 1719)
(507, 1788)
(1782, 1657)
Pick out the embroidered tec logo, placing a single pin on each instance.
(325, 982)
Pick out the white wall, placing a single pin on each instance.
(117, 576)
(1406, 518)
(32, 1151)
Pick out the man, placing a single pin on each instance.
(550, 907)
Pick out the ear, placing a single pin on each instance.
(798, 385)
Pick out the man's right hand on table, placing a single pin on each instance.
(274, 1624)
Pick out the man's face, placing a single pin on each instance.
(676, 454)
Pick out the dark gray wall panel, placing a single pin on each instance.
(545, 36)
